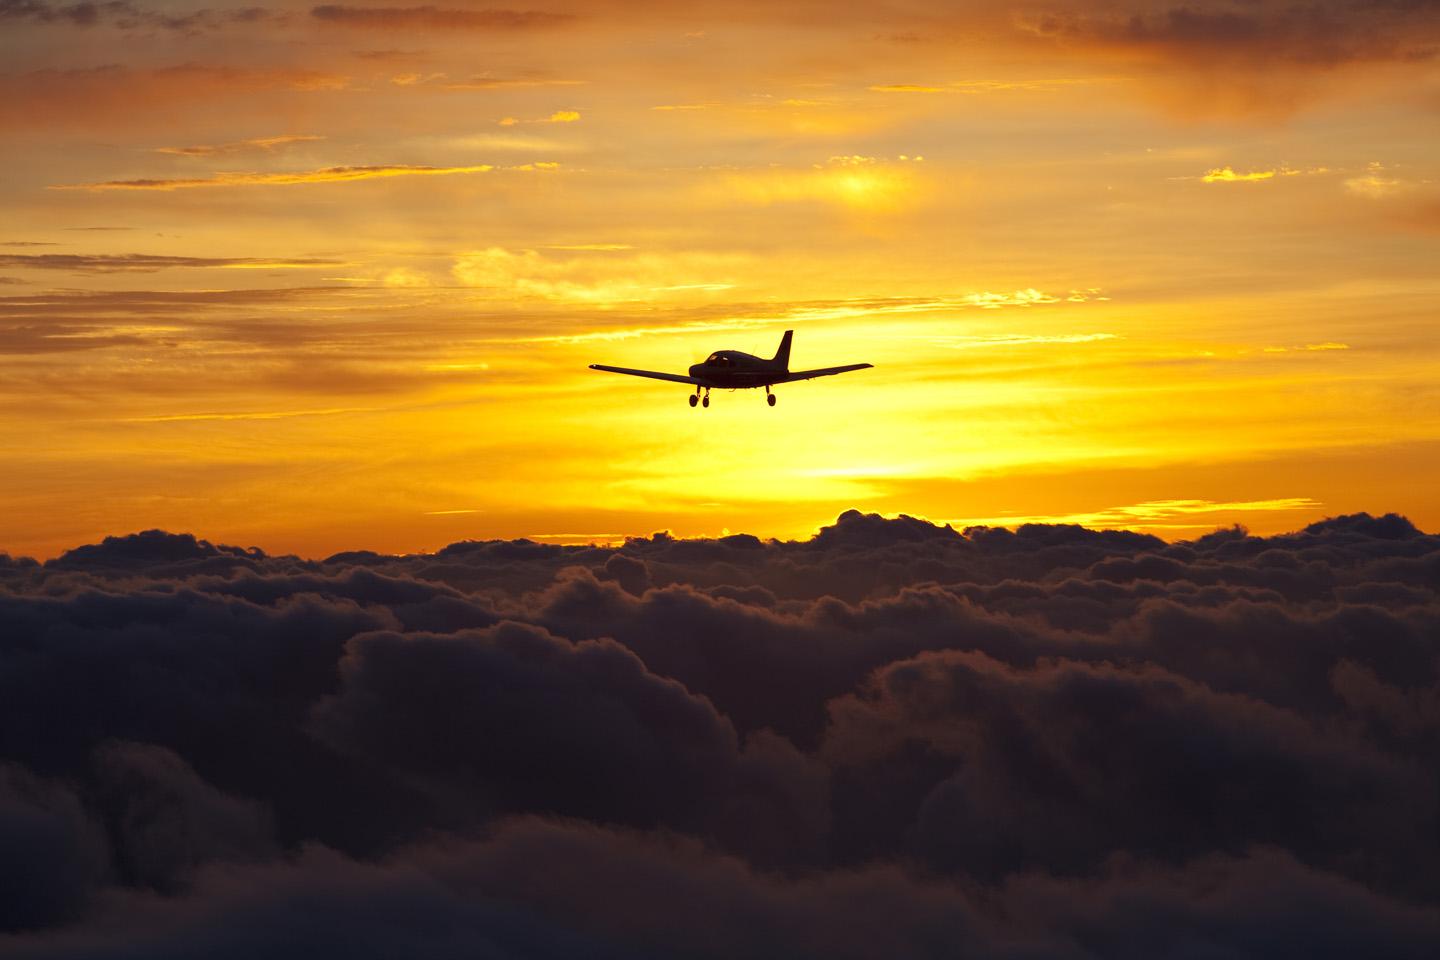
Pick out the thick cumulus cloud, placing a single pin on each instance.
(892, 739)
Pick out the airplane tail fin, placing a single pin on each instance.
(782, 356)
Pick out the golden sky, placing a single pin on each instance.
(328, 277)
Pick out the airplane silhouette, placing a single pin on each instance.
(733, 370)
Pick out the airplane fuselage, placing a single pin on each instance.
(733, 370)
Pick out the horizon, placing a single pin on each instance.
(619, 543)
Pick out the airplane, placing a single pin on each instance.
(733, 370)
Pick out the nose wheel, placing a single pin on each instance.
(705, 401)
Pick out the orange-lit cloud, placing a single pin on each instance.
(143, 263)
(1228, 175)
(237, 146)
(559, 116)
(130, 98)
(1173, 515)
(435, 18)
(620, 276)
(981, 86)
(1376, 183)
(324, 175)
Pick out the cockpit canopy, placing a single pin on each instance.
(719, 358)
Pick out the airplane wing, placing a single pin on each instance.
(672, 377)
(824, 372)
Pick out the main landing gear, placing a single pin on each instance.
(769, 397)
(696, 398)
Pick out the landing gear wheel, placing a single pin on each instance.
(705, 402)
(694, 399)
(770, 399)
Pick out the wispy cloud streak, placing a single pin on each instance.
(323, 175)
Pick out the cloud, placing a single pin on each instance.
(444, 81)
(144, 98)
(1376, 183)
(237, 146)
(147, 262)
(1322, 34)
(323, 175)
(559, 116)
(612, 275)
(1228, 175)
(1048, 741)
(61, 338)
(436, 18)
(983, 86)
(124, 15)
(905, 88)
(1152, 514)
(1258, 60)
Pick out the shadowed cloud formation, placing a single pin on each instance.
(435, 18)
(1325, 33)
(892, 738)
(129, 16)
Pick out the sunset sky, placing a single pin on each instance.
(320, 278)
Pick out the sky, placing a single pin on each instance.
(323, 277)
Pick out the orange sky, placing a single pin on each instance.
(328, 277)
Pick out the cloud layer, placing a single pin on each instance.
(890, 739)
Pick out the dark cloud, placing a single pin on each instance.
(519, 720)
(892, 739)
(435, 18)
(1325, 33)
(142, 262)
(129, 16)
(55, 853)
